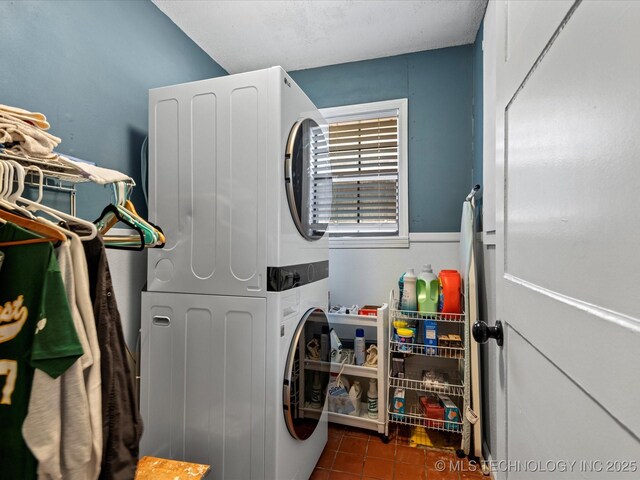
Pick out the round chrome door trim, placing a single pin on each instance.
(288, 176)
(288, 370)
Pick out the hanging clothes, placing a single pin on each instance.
(93, 381)
(36, 332)
(121, 422)
(63, 427)
(57, 427)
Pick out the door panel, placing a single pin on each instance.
(598, 353)
(570, 154)
(203, 381)
(543, 419)
(527, 28)
(566, 262)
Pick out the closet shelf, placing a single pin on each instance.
(50, 168)
(376, 331)
(411, 315)
(415, 417)
(53, 169)
(357, 370)
(360, 421)
(427, 350)
(454, 389)
(352, 319)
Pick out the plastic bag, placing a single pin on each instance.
(338, 395)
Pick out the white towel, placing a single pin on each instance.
(97, 174)
(30, 138)
(35, 118)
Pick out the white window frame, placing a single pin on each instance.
(373, 110)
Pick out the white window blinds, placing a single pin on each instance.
(362, 162)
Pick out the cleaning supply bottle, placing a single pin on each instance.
(359, 346)
(427, 290)
(316, 391)
(408, 299)
(450, 284)
(325, 344)
(372, 399)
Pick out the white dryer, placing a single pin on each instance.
(224, 381)
(233, 168)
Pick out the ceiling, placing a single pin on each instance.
(245, 35)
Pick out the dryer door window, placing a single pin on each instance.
(305, 177)
(305, 376)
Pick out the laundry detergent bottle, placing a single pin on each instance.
(450, 285)
(408, 296)
(427, 290)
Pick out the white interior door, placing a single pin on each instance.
(568, 233)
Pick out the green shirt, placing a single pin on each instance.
(36, 331)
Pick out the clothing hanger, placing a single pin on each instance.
(161, 238)
(29, 221)
(6, 182)
(113, 213)
(48, 233)
(128, 204)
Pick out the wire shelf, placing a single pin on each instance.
(410, 315)
(453, 389)
(349, 369)
(51, 168)
(415, 417)
(427, 350)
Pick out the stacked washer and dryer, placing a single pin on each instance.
(241, 286)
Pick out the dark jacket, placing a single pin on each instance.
(121, 422)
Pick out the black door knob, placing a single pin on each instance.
(483, 332)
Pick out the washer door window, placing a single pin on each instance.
(305, 376)
(306, 176)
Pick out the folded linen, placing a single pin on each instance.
(35, 118)
(31, 139)
(97, 174)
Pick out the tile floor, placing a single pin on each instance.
(353, 453)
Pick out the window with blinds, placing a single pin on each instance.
(362, 158)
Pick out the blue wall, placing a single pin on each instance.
(88, 65)
(439, 86)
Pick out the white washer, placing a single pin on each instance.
(223, 153)
(299, 434)
(219, 383)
